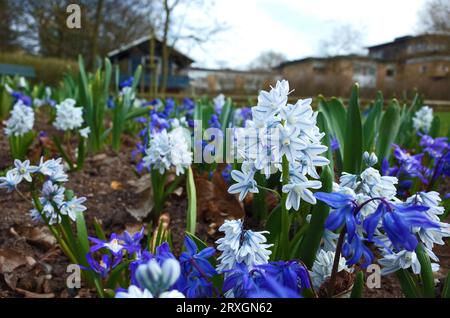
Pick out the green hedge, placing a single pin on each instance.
(48, 70)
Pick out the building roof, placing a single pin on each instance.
(228, 70)
(141, 41)
(406, 38)
(330, 58)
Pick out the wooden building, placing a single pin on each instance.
(136, 53)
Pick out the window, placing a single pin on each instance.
(423, 69)
(146, 62)
(390, 72)
(319, 68)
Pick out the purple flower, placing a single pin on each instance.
(335, 144)
(214, 121)
(103, 266)
(435, 147)
(226, 173)
(126, 83)
(115, 245)
(18, 96)
(132, 243)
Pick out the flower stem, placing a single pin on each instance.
(337, 257)
(285, 220)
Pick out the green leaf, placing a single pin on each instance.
(426, 272)
(358, 287)
(389, 128)
(446, 289)
(435, 127)
(335, 114)
(372, 122)
(353, 144)
(116, 274)
(326, 141)
(191, 221)
(408, 284)
(273, 226)
(319, 214)
(99, 230)
(82, 233)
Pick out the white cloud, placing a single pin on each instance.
(294, 27)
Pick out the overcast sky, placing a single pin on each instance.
(295, 27)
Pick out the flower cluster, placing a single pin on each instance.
(68, 117)
(161, 118)
(367, 208)
(169, 149)
(52, 204)
(279, 129)
(241, 246)
(427, 166)
(21, 120)
(323, 265)
(423, 119)
(155, 275)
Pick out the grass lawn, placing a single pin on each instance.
(445, 122)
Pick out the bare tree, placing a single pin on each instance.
(175, 25)
(8, 35)
(344, 39)
(105, 26)
(435, 17)
(267, 61)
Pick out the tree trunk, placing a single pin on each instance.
(95, 31)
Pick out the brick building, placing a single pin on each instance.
(397, 68)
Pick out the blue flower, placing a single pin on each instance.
(344, 211)
(271, 288)
(18, 96)
(244, 184)
(126, 83)
(240, 281)
(226, 173)
(196, 261)
(335, 144)
(354, 249)
(10, 181)
(214, 121)
(289, 274)
(398, 222)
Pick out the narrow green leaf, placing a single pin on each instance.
(313, 235)
(82, 233)
(408, 284)
(273, 226)
(389, 128)
(353, 144)
(446, 289)
(435, 127)
(191, 221)
(358, 286)
(335, 114)
(426, 272)
(372, 122)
